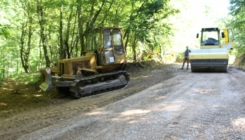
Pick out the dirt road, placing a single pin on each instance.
(183, 106)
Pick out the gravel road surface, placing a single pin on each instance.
(186, 105)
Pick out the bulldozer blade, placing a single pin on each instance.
(47, 79)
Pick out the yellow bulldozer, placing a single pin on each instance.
(101, 68)
(213, 54)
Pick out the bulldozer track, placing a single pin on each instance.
(77, 91)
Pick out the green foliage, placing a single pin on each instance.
(21, 23)
(149, 26)
(148, 19)
(4, 31)
(237, 22)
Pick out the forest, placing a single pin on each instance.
(150, 89)
(36, 33)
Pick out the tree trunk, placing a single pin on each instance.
(74, 38)
(80, 27)
(76, 41)
(24, 53)
(126, 37)
(134, 49)
(61, 50)
(40, 12)
(29, 42)
(66, 41)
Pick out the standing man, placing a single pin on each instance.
(186, 58)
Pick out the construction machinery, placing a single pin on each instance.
(213, 54)
(101, 68)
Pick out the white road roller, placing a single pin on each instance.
(213, 54)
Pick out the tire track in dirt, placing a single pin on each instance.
(106, 124)
(207, 110)
(63, 109)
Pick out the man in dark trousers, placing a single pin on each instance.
(186, 58)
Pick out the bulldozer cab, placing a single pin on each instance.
(107, 43)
